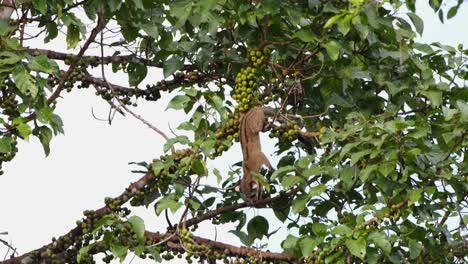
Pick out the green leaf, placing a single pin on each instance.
(244, 238)
(138, 226)
(317, 190)
(73, 36)
(357, 247)
(44, 115)
(40, 5)
(139, 4)
(167, 203)
(305, 36)
(218, 175)
(43, 64)
(45, 135)
(307, 245)
(344, 24)
(24, 81)
(119, 251)
(304, 162)
(281, 172)
(184, 140)
(84, 252)
(136, 73)
(257, 227)
(415, 249)
(355, 157)
(299, 203)
(333, 49)
(261, 180)
(24, 130)
(452, 12)
(290, 181)
(179, 102)
(417, 22)
(6, 144)
(290, 245)
(365, 173)
(9, 58)
(386, 168)
(414, 195)
(172, 65)
(52, 31)
(381, 240)
(332, 20)
(314, 170)
(342, 230)
(199, 167)
(434, 96)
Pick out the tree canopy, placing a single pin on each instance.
(370, 124)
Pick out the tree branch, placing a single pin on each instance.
(100, 25)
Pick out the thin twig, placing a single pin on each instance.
(100, 25)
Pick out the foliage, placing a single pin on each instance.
(373, 150)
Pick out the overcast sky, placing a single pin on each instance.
(43, 197)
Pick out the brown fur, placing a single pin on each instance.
(251, 124)
(6, 9)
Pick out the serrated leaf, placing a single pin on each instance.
(357, 247)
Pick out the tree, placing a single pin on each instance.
(371, 125)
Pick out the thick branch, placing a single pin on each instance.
(105, 60)
(230, 250)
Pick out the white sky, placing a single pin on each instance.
(43, 197)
